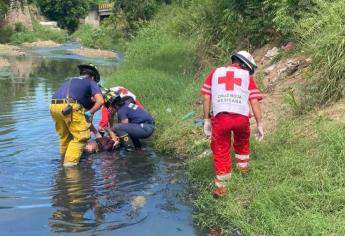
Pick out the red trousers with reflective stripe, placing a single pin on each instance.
(222, 126)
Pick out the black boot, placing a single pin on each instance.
(124, 140)
(137, 144)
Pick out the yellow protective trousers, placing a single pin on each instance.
(73, 130)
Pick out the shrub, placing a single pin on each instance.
(5, 34)
(39, 33)
(101, 37)
(286, 14)
(66, 13)
(323, 36)
(19, 27)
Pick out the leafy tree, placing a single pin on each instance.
(131, 14)
(285, 14)
(65, 12)
(135, 11)
(3, 7)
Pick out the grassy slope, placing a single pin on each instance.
(99, 37)
(39, 33)
(160, 69)
(296, 186)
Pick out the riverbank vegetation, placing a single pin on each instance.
(19, 34)
(295, 186)
(39, 33)
(119, 28)
(104, 37)
(160, 68)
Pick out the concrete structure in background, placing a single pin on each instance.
(51, 24)
(95, 17)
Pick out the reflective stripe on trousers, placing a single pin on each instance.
(73, 130)
(223, 125)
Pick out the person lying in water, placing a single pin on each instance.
(102, 144)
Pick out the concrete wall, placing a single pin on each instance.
(92, 18)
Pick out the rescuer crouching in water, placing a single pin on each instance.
(133, 122)
(107, 117)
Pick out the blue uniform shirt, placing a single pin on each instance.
(134, 114)
(81, 90)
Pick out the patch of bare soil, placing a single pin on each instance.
(275, 104)
(281, 80)
(89, 52)
(335, 112)
(41, 44)
(4, 63)
(6, 49)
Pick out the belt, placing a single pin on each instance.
(62, 101)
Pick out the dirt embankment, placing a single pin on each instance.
(41, 44)
(4, 62)
(89, 52)
(11, 50)
(6, 49)
(281, 80)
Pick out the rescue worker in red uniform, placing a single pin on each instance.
(230, 91)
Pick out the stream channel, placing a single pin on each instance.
(119, 193)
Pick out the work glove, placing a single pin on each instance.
(101, 132)
(259, 133)
(98, 135)
(88, 116)
(116, 144)
(207, 127)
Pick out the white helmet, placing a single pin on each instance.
(123, 92)
(247, 59)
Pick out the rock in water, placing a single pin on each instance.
(138, 202)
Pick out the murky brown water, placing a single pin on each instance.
(108, 194)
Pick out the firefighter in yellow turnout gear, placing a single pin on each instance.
(72, 108)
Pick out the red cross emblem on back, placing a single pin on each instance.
(229, 80)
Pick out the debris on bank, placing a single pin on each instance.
(90, 52)
(4, 63)
(278, 75)
(41, 44)
(7, 49)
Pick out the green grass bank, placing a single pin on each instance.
(161, 69)
(20, 35)
(99, 37)
(296, 186)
